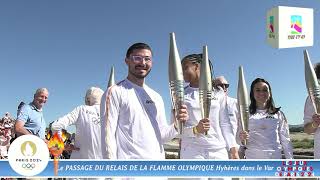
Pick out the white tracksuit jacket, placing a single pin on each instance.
(88, 131)
(220, 135)
(133, 123)
(269, 135)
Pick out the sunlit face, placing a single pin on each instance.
(189, 71)
(261, 92)
(40, 99)
(139, 63)
(222, 84)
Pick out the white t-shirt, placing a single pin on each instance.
(268, 132)
(309, 111)
(88, 131)
(220, 134)
(133, 123)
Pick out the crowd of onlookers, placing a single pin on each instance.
(6, 134)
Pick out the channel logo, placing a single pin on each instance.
(28, 155)
(296, 24)
(271, 24)
(289, 27)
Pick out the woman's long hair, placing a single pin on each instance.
(271, 109)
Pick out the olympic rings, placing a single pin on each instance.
(28, 166)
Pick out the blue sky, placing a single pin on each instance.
(68, 46)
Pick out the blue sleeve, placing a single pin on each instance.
(42, 131)
(23, 114)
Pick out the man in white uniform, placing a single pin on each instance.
(86, 118)
(132, 114)
(232, 109)
(312, 119)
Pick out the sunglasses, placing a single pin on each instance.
(223, 86)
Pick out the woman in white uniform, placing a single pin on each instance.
(268, 131)
(195, 144)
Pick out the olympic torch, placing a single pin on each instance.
(311, 82)
(111, 81)
(175, 80)
(56, 147)
(243, 101)
(205, 85)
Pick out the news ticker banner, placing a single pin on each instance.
(172, 168)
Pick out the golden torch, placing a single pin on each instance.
(311, 82)
(56, 147)
(111, 81)
(175, 80)
(243, 101)
(205, 85)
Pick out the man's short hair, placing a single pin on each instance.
(192, 58)
(222, 79)
(197, 58)
(40, 90)
(93, 96)
(137, 46)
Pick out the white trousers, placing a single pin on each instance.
(188, 152)
(260, 154)
(193, 152)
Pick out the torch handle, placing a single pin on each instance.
(244, 142)
(314, 94)
(177, 99)
(55, 165)
(179, 124)
(205, 103)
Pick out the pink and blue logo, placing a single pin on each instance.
(271, 24)
(296, 24)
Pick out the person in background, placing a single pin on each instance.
(221, 82)
(86, 118)
(30, 119)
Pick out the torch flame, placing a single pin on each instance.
(64, 136)
(56, 145)
(48, 135)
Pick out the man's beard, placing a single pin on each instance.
(139, 76)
